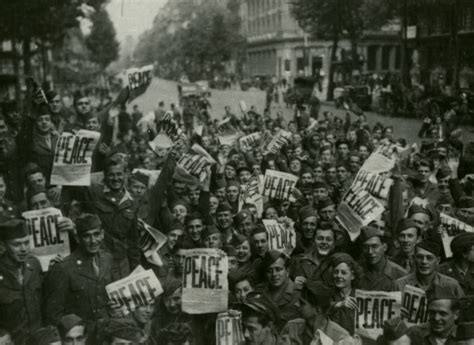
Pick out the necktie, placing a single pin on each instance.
(95, 265)
(20, 275)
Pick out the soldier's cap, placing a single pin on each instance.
(240, 217)
(179, 202)
(462, 241)
(260, 304)
(123, 329)
(175, 333)
(68, 322)
(318, 294)
(176, 225)
(243, 168)
(220, 183)
(181, 175)
(325, 203)
(230, 250)
(259, 229)
(86, 222)
(12, 229)
(140, 177)
(305, 169)
(307, 212)
(394, 329)
(233, 183)
(466, 202)
(34, 190)
(430, 246)
(210, 229)
(465, 331)
(406, 223)
(270, 258)
(237, 240)
(445, 199)
(437, 291)
(44, 336)
(224, 207)
(367, 232)
(319, 184)
(443, 172)
(170, 285)
(339, 258)
(232, 164)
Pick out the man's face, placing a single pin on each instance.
(318, 173)
(422, 220)
(277, 273)
(343, 150)
(254, 332)
(39, 201)
(244, 176)
(374, 250)
(232, 193)
(229, 172)
(423, 173)
(324, 242)
(328, 213)
(363, 152)
(446, 209)
(307, 178)
(466, 215)
(342, 174)
(320, 193)
(242, 289)
(261, 243)
(309, 225)
(355, 164)
(295, 166)
(115, 177)
(179, 188)
(220, 194)
(55, 104)
(441, 317)
(75, 336)
(144, 313)
(224, 219)
(172, 303)
(137, 189)
(213, 204)
(243, 252)
(179, 213)
(18, 249)
(443, 184)
(83, 105)
(213, 241)
(173, 237)
(426, 262)
(408, 239)
(246, 226)
(43, 123)
(331, 174)
(326, 156)
(91, 240)
(195, 228)
(93, 124)
(194, 196)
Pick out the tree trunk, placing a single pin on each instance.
(331, 84)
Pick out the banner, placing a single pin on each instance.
(416, 305)
(451, 227)
(278, 185)
(374, 308)
(45, 238)
(73, 158)
(282, 138)
(358, 208)
(377, 163)
(386, 149)
(196, 161)
(229, 329)
(139, 289)
(375, 184)
(280, 237)
(250, 194)
(138, 80)
(249, 142)
(205, 286)
(150, 242)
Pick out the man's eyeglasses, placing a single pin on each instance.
(83, 103)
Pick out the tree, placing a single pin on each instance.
(102, 41)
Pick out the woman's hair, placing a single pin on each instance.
(339, 258)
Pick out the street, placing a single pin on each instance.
(165, 90)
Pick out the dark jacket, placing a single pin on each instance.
(20, 305)
(73, 287)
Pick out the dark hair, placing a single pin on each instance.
(262, 319)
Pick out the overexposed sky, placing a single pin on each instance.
(137, 16)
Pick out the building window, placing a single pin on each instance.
(372, 58)
(386, 57)
(287, 65)
(299, 64)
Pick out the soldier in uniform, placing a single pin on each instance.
(379, 272)
(409, 234)
(77, 284)
(461, 267)
(20, 283)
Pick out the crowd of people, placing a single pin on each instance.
(283, 298)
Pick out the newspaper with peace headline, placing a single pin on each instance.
(196, 161)
(73, 158)
(450, 228)
(280, 236)
(45, 238)
(229, 329)
(278, 185)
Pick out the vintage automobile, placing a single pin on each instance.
(359, 95)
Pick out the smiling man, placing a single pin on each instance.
(409, 234)
(77, 284)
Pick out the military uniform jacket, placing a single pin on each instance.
(465, 279)
(382, 281)
(20, 305)
(439, 279)
(420, 334)
(72, 286)
(305, 266)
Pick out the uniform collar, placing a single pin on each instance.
(126, 195)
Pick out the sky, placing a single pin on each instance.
(137, 16)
